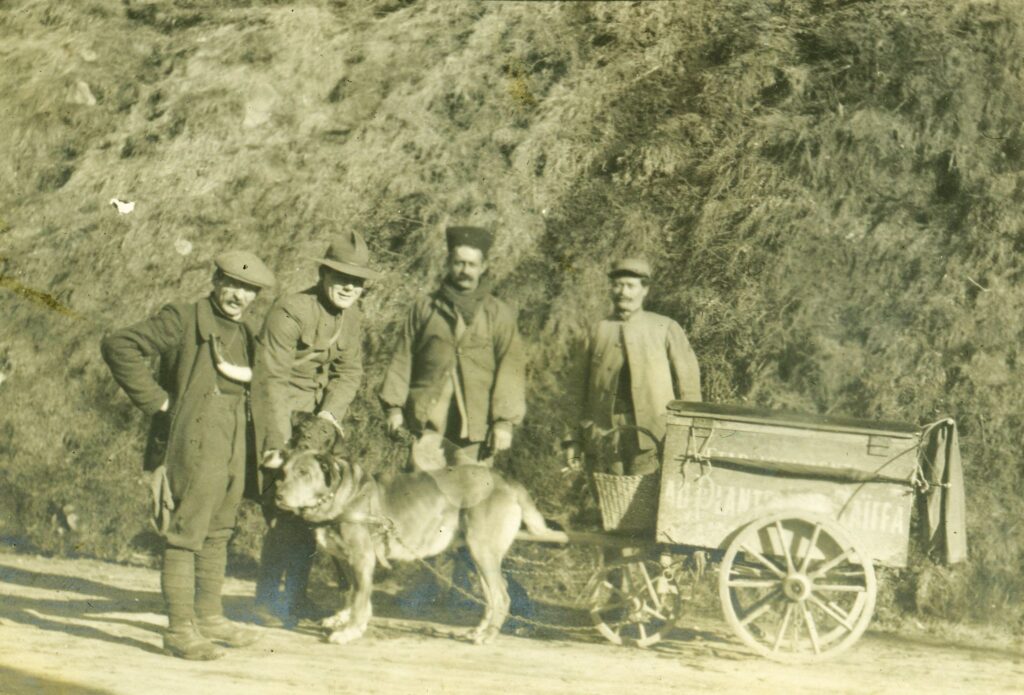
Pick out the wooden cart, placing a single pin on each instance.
(796, 510)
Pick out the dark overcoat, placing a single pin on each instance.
(179, 338)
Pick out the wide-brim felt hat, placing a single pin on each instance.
(349, 254)
(245, 267)
(635, 266)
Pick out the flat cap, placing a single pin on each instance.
(477, 237)
(638, 267)
(245, 267)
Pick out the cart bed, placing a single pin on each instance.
(725, 466)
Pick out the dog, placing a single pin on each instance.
(361, 521)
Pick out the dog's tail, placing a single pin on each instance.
(532, 517)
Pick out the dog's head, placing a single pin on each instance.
(315, 481)
(307, 481)
(313, 433)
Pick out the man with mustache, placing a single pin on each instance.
(308, 359)
(632, 365)
(198, 444)
(458, 370)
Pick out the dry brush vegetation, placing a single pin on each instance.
(831, 192)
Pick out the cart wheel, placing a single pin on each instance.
(635, 602)
(795, 587)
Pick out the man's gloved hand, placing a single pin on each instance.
(501, 436)
(163, 500)
(272, 459)
(573, 457)
(329, 417)
(395, 420)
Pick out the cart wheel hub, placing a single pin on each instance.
(636, 612)
(796, 587)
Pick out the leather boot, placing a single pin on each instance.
(187, 643)
(223, 630)
(266, 616)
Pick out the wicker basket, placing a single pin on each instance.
(628, 502)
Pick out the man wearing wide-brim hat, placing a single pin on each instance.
(308, 360)
(633, 363)
(198, 444)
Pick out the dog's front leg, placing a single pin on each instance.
(346, 583)
(362, 561)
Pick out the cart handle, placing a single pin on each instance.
(659, 445)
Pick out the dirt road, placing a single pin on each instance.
(80, 627)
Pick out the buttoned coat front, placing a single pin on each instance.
(488, 356)
(308, 358)
(662, 368)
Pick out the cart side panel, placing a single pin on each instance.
(704, 504)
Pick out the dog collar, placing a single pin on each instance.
(326, 498)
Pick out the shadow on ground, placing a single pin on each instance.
(424, 605)
(17, 682)
(86, 600)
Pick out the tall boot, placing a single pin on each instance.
(300, 550)
(211, 563)
(177, 584)
(268, 607)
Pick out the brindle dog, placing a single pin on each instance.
(361, 521)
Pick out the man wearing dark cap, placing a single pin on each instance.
(198, 445)
(308, 360)
(458, 372)
(458, 369)
(632, 365)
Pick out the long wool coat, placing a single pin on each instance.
(488, 356)
(178, 337)
(662, 367)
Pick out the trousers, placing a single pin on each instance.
(207, 488)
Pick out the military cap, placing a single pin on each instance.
(245, 267)
(349, 254)
(638, 267)
(477, 237)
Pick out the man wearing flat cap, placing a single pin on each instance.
(632, 365)
(458, 370)
(198, 445)
(308, 360)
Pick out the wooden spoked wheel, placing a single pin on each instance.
(635, 601)
(795, 587)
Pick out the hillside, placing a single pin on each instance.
(831, 192)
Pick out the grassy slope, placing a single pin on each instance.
(831, 193)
